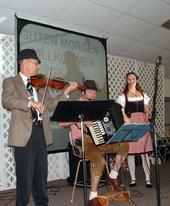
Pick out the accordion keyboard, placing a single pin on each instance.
(98, 132)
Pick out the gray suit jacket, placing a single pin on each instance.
(15, 99)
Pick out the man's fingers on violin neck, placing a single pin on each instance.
(74, 84)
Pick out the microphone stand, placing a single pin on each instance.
(153, 132)
(81, 118)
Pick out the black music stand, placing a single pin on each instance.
(129, 132)
(68, 111)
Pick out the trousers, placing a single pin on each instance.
(31, 169)
(96, 154)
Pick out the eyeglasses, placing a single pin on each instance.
(35, 62)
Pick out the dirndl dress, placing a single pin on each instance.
(137, 115)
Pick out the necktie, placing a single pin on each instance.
(30, 90)
(29, 87)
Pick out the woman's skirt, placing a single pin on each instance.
(144, 144)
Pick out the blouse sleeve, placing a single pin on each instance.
(146, 99)
(121, 100)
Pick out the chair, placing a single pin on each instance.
(77, 152)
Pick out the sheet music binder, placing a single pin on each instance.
(129, 132)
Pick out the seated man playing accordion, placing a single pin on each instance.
(96, 154)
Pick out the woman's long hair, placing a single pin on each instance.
(138, 87)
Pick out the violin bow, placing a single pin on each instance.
(45, 90)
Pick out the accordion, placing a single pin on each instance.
(102, 130)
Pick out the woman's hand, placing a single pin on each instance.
(126, 119)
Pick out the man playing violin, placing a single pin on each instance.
(29, 130)
(96, 154)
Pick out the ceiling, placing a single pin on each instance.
(131, 26)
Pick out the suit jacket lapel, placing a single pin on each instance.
(21, 86)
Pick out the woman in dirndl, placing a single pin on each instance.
(135, 108)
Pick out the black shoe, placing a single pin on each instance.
(148, 184)
(132, 183)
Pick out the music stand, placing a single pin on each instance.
(70, 111)
(129, 132)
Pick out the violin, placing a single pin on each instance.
(41, 81)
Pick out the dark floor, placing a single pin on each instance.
(140, 195)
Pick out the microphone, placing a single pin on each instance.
(158, 60)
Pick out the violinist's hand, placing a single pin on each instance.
(37, 105)
(70, 88)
